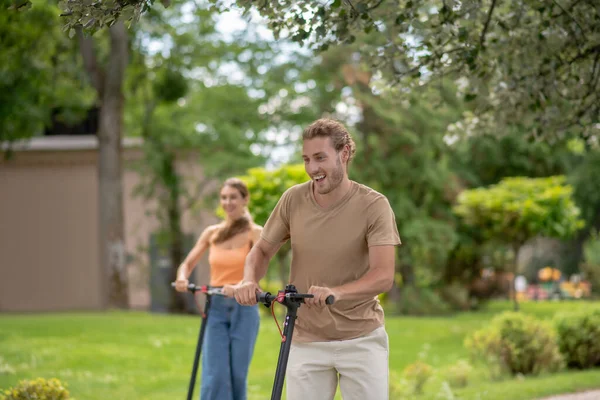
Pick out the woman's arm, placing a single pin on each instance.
(187, 266)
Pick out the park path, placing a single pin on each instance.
(585, 395)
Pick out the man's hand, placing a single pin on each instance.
(245, 293)
(320, 295)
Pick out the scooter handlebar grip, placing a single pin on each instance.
(263, 297)
(330, 299)
(191, 287)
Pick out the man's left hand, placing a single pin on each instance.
(320, 294)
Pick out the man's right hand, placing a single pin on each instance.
(245, 293)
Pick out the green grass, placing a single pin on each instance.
(137, 355)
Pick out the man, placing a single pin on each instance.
(343, 237)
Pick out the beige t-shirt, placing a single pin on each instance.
(330, 247)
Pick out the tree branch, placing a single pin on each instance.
(118, 58)
(354, 14)
(90, 63)
(566, 12)
(375, 6)
(487, 24)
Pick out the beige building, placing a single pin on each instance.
(49, 258)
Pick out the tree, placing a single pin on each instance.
(518, 209)
(40, 76)
(534, 64)
(42, 79)
(107, 77)
(184, 100)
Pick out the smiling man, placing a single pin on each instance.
(343, 236)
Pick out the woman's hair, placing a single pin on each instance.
(241, 224)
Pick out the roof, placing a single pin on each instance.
(66, 143)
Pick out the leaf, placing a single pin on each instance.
(470, 97)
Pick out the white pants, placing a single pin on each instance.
(360, 364)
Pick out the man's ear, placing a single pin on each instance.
(346, 153)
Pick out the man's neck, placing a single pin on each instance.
(326, 200)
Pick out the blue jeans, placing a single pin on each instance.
(227, 350)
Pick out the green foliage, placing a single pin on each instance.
(591, 263)
(39, 389)
(517, 209)
(517, 343)
(458, 374)
(482, 160)
(266, 187)
(403, 155)
(97, 15)
(579, 338)
(417, 374)
(585, 180)
(523, 63)
(39, 71)
(421, 301)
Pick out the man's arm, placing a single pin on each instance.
(378, 279)
(257, 260)
(255, 268)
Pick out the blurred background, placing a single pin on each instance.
(479, 120)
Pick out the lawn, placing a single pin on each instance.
(138, 355)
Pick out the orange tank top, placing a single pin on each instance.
(227, 265)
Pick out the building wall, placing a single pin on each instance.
(48, 244)
(49, 256)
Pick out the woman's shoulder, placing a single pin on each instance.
(211, 229)
(256, 227)
(255, 231)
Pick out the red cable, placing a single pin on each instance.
(275, 318)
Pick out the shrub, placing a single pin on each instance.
(399, 386)
(591, 265)
(579, 338)
(458, 374)
(420, 301)
(417, 374)
(518, 343)
(38, 389)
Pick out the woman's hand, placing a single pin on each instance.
(181, 284)
(228, 290)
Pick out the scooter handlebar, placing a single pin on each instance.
(211, 290)
(268, 298)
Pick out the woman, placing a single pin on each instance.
(231, 329)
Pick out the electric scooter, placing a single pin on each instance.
(209, 291)
(292, 300)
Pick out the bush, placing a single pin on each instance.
(420, 301)
(399, 387)
(38, 389)
(517, 343)
(417, 374)
(591, 265)
(458, 374)
(579, 338)
(457, 296)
